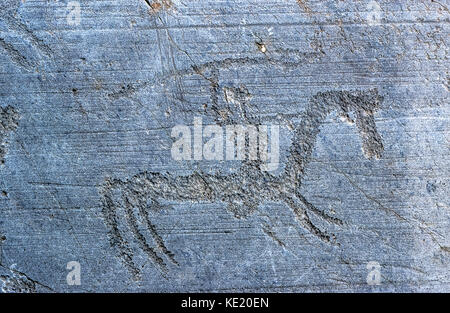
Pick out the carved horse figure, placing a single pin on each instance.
(128, 205)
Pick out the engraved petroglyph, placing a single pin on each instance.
(129, 204)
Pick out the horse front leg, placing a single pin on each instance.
(300, 210)
(318, 212)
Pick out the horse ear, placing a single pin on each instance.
(372, 143)
(358, 107)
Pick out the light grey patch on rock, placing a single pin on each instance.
(9, 119)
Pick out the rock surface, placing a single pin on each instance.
(359, 202)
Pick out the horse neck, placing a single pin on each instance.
(303, 141)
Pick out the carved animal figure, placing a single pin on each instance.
(128, 205)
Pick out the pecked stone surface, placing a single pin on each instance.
(359, 90)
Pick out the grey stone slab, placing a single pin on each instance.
(359, 90)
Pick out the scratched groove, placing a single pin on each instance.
(13, 23)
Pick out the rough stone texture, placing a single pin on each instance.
(361, 97)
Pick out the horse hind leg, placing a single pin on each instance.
(152, 230)
(126, 214)
(117, 238)
(142, 241)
